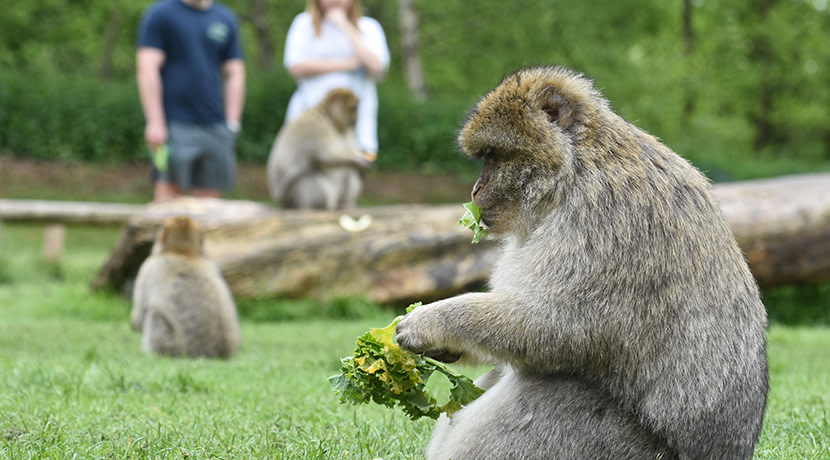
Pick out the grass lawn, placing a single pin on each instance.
(74, 382)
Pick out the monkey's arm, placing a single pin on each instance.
(346, 159)
(339, 154)
(485, 326)
(137, 317)
(507, 327)
(145, 283)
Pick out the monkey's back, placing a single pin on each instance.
(197, 307)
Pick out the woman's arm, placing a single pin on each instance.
(364, 54)
(312, 67)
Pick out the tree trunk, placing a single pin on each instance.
(762, 53)
(414, 252)
(259, 20)
(688, 52)
(409, 48)
(110, 38)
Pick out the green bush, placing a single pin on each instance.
(805, 305)
(419, 135)
(265, 103)
(50, 117)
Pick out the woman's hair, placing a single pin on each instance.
(313, 7)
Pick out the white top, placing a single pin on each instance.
(302, 43)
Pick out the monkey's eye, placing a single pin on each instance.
(486, 152)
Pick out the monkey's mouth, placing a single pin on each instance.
(488, 217)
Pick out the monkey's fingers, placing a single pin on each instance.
(445, 356)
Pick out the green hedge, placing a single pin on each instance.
(49, 117)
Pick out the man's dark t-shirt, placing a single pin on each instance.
(196, 43)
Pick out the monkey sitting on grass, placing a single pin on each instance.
(181, 303)
(622, 316)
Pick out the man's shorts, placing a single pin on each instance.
(201, 156)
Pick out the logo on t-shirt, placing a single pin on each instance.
(218, 32)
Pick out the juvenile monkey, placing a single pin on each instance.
(316, 161)
(622, 316)
(181, 303)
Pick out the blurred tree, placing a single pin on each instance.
(409, 47)
(110, 38)
(688, 49)
(258, 19)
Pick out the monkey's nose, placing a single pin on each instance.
(477, 188)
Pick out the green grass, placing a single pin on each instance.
(74, 382)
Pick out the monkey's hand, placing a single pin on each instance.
(419, 332)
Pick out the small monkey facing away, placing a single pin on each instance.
(622, 317)
(181, 303)
(316, 161)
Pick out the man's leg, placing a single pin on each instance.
(165, 191)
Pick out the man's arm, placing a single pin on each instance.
(148, 75)
(233, 76)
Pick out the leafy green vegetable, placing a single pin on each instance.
(471, 219)
(161, 157)
(382, 372)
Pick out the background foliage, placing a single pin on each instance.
(737, 87)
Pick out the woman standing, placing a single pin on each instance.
(331, 45)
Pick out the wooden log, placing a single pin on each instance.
(67, 212)
(417, 252)
(54, 242)
(782, 225)
(407, 253)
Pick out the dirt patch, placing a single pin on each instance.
(27, 179)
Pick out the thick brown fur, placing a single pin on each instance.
(181, 303)
(622, 315)
(316, 161)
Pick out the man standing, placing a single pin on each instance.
(191, 82)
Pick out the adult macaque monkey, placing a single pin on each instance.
(622, 315)
(181, 303)
(316, 161)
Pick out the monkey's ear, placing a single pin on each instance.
(557, 108)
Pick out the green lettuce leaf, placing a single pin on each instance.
(160, 157)
(472, 220)
(383, 373)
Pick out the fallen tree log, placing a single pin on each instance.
(67, 212)
(415, 252)
(782, 225)
(407, 253)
